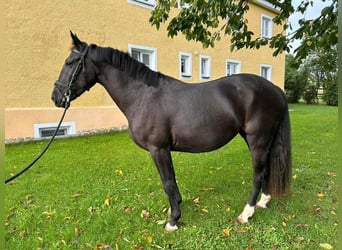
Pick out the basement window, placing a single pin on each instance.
(46, 130)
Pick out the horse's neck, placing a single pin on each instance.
(123, 89)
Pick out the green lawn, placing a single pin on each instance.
(103, 192)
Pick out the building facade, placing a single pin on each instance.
(39, 41)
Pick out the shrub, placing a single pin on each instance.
(310, 94)
(294, 88)
(330, 95)
(293, 91)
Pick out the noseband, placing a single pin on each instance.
(65, 88)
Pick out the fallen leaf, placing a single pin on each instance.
(145, 214)
(284, 224)
(317, 209)
(128, 209)
(118, 172)
(67, 218)
(205, 210)
(196, 201)
(106, 202)
(102, 246)
(294, 177)
(333, 174)
(248, 248)
(226, 232)
(326, 246)
(149, 239)
(49, 213)
(320, 195)
(302, 225)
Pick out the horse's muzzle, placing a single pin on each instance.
(61, 94)
(58, 98)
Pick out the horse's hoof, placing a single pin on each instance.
(240, 220)
(170, 228)
(247, 212)
(264, 200)
(261, 206)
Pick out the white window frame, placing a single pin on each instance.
(236, 63)
(152, 52)
(206, 73)
(69, 127)
(268, 75)
(188, 65)
(182, 5)
(150, 4)
(266, 28)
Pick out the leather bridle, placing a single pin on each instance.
(65, 88)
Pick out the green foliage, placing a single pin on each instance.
(103, 192)
(319, 70)
(310, 94)
(295, 80)
(330, 95)
(322, 68)
(206, 21)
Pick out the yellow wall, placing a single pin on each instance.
(39, 41)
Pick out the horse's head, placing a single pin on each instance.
(77, 74)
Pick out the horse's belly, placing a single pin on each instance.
(202, 140)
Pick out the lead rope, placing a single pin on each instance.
(67, 103)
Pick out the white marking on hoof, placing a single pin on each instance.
(264, 199)
(170, 228)
(247, 212)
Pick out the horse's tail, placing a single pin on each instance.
(279, 159)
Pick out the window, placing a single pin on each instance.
(266, 71)
(233, 67)
(266, 27)
(144, 3)
(45, 130)
(182, 4)
(146, 55)
(205, 66)
(185, 65)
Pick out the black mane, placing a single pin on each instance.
(125, 63)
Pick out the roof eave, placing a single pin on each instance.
(267, 6)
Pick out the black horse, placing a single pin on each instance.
(165, 114)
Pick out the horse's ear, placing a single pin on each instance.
(75, 41)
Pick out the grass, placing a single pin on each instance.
(103, 192)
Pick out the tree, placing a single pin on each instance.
(323, 69)
(295, 80)
(206, 21)
(317, 71)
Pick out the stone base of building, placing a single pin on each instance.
(36, 123)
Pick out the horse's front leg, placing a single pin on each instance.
(162, 159)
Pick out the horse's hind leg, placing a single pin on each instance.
(259, 151)
(163, 161)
